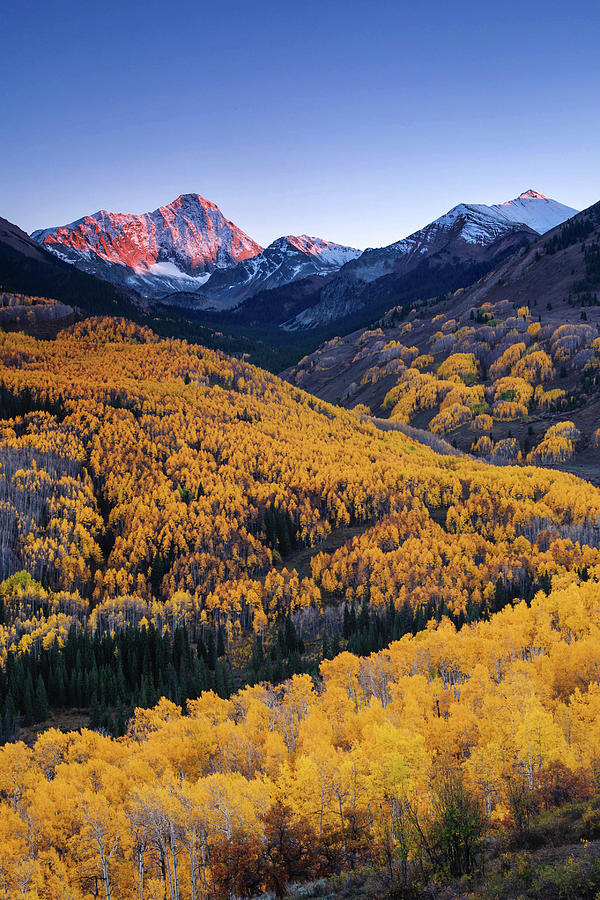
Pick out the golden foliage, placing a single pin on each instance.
(536, 367)
(557, 445)
(505, 362)
(483, 446)
(165, 482)
(459, 366)
(450, 417)
(424, 361)
(483, 422)
(518, 693)
(548, 399)
(169, 479)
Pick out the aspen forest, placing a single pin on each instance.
(249, 639)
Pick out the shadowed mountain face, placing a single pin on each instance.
(452, 252)
(347, 301)
(174, 248)
(286, 260)
(444, 255)
(28, 268)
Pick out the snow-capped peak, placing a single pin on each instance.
(177, 244)
(329, 253)
(536, 210)
(528, 195)
(481, 224)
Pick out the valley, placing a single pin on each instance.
(337, 628)
(299, 451)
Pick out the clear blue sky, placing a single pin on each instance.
(355, 121)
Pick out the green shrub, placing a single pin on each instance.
(575, 878)
(590, 823)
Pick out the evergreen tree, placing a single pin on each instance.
(40, 701)
(220, 685)
(27, 700)
(220, 641)
(211, 650)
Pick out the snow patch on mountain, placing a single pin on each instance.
(170, 270)
(287, 259)
(165, 277)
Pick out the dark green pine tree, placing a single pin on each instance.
(229, 683)
(335, 646)
(499, 595)
(291, 637)
(10, 717)
(40, 701)
(258, 656)
(27, 699)
(221, 641)
(220, 684)
(120, 721)
(107, 722)
(142, 700)
(211, 650)
(95, 712)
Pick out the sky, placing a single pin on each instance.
(354, 121)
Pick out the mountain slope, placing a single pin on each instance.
(173, 248)
(27, 268)
(459, 238)
(343, 302)
(387, 278)
(559, 264)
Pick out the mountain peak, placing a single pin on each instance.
(191, 199)
(308, 244)
(175, 247)
(535, 210)
(531, 195)
(292, 257)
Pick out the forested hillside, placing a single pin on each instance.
(178, 525)
(154, 469)
(405, 760)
